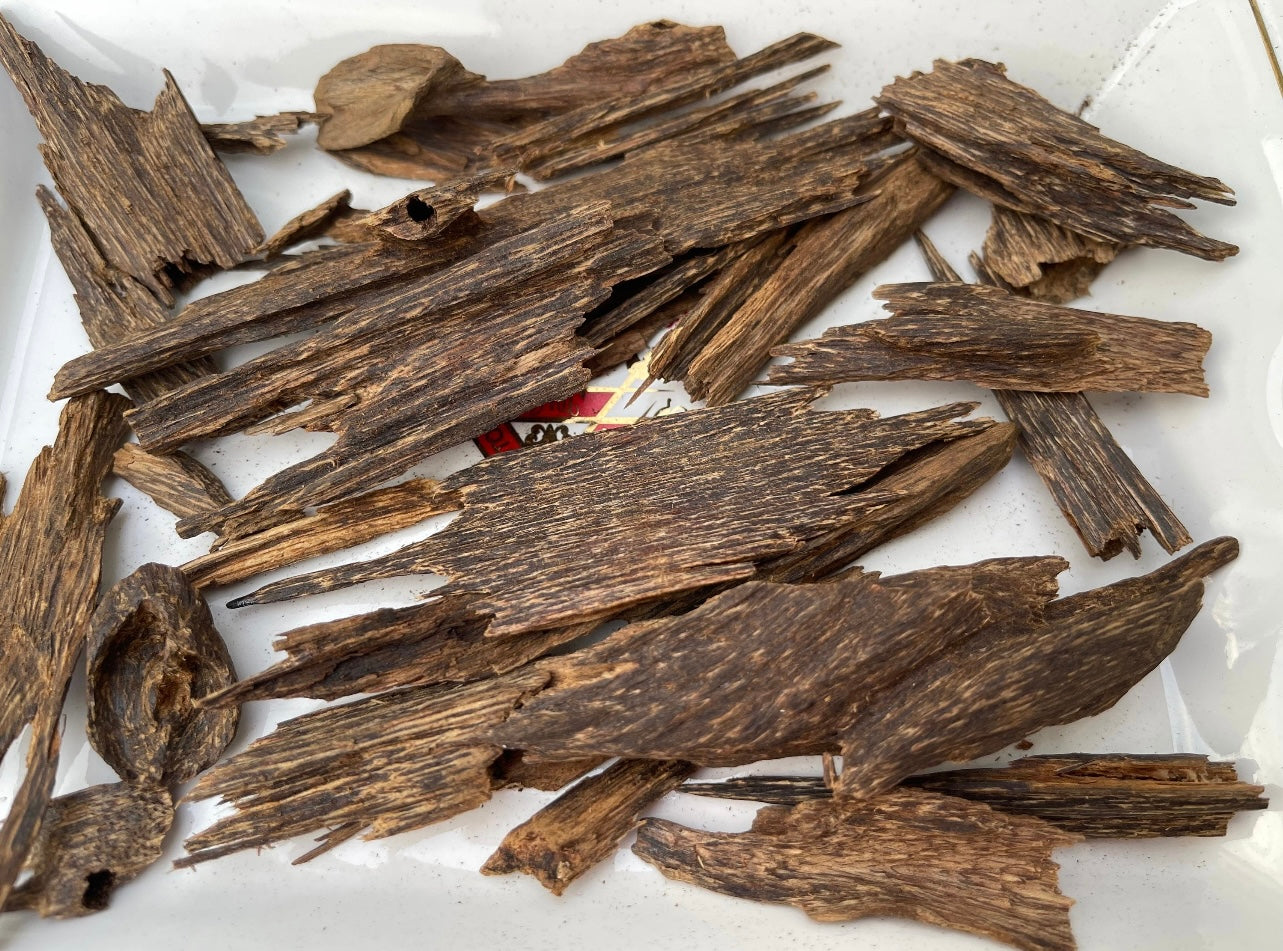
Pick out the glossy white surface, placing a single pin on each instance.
(1187, 81)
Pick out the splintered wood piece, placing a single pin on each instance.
(1097, 795)
(90, 843)
(407, 759)
(1098, 487)
(1106, 499)
(441, 642)
(51, 558)
(622, 347)
(516, 769)
(911, 854)
(702, 195)
(307, 224)
(1041, 258)
(428, 212)
(540, 141)
(1008, 144)
(770, 473)
(721, 298)
(331, 528)
(154, 650)
(581, 827)
(1009, 680)
(694, 686)
(176, 482)
(261, 135)
(827, 256)
(30, 803)
(113, 305)
(996, 339)
(146, 185)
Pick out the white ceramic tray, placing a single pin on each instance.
(1189, 82)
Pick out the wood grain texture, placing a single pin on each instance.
(1096, 795)
(701, 515)
(990, 337)
(408, 759)
(515, 769)
(307, 224)
(93, 841)
(1006, 143)
(1105, 497)
(767, 670)
(176, 482)
(1008, 681)
(910, 854)
(827, 256)
(1041, 258)
(153, 650)
(261, 135)
(146, 185)
(584, 825)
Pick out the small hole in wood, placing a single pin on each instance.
(418, 209)
(98, 888)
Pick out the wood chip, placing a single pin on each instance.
(261, 135)
(1008, 144)
(1102, 493)
(1097, 795)
(574, 832)
(515, 769)
(153, 649)
(92, 842)
(408, 759)
(176, 482)
(308, 224)
(1008, 681)
(827, 257)
(1043, 259)
(764, 670)
(911, 854)
(707, 516)
(146, 185)
(993, 338)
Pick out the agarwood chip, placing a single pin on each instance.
(1008, 144)
(153, 650)
(517, 769)
(767, 670)
(993, 338)
(176, 482)
(989, 691)
(584, 825)
(911, 854)
(1097, 795)
(307, 224)
(261, 135)
(92, 842)
(1043, 259)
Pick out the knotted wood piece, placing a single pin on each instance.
(767, 670)
(706, 494)
(146, 186)
(1097, 795)
(908, 853)
(585, 824)
(1105, 497)
(1042, 259)
(153, 650)
(956, 331)
(1006, 143)
(1008, 681)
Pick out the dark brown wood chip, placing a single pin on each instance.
(308, 224)
(997, 339)
(767, 670)
(1008, 144)
(1041, 258)
(584, 825)
(92, 842)
(1008, 681)
(1097, 795)
(176, 482)
(146, 185)
(261, 135)
(826, 257)
(408, 759)
(908, 853)
(154, 650)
